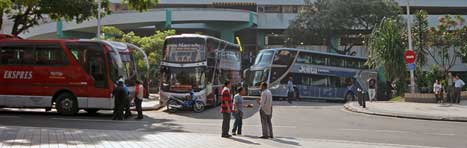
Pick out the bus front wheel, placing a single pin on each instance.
(66, 104)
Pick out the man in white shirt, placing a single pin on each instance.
(139, 94)
(458, 84)
(265, 111)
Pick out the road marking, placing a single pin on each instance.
(382, 131)
(97, 120)
(10, 117)
(395, 131)
(441, 134)
(252, 125)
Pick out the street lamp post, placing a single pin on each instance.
(412, 77)
(98, 33)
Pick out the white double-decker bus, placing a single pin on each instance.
(198, 63)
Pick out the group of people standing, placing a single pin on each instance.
(123, 100)
(235, 107)
(453, 89)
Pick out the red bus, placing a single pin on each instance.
(67, 75)
(9, 37)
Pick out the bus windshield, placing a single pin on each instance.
(264, 58)
(175, 79)
(258, 77)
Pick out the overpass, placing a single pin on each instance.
(225, 21)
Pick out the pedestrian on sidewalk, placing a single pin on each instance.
(437, 90)
(226, 108)
(372, 89)
(265, 111)
(458, 84)
(290, 90)
(119, 94)
(238, 111)
(138, 98)
(450, 88)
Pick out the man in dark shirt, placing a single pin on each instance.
(120, 95)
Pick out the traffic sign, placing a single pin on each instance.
(411, 66)
(410, 56)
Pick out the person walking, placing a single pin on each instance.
(265, 111)
(437, 90)
(238, 111)
(450, 88)
(226, 109)
(372, 89)
(290, 90)
(119, 96)
(458, 84)
(138, 99)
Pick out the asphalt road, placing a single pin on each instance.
(317, 120)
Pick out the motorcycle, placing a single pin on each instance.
(189, 102)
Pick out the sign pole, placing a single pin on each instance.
(98, 33)
(412, 77)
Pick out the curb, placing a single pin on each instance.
(349, 107)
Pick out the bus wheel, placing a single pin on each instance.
(91, 111)
(66, 104)
(349, 97)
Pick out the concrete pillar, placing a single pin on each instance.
(260, 40)
(228, 35)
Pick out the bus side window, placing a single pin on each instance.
(91, 58)
(49, 54)
(16, 55)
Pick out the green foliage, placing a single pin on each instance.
(152, 45)
(420, 37)
(140, 5)
(27, 13)
(387, 48)
(448, 41)
(325, 20)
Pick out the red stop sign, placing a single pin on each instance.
(409, 56)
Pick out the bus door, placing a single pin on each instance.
(92, 59)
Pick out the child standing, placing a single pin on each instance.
(238, 111)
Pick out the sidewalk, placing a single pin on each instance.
(427, 111)
(26, 137)
(151, 103)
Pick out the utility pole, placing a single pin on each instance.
(98, 33)
(409, 28)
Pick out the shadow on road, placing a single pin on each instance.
(99, 121)
(243, 141)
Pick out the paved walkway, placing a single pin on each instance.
(25, 137)
(429, 111)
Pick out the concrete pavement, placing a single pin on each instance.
(32, 137)
(428, 111)
(300, 122)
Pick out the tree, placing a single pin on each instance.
(27, 13)
(448, 42)
(4, 4)
(386, 49)
(152, 45)
(326, 21)
(420, 37)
